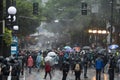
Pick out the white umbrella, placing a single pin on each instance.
(102, 50)
(48, 58)
(113, 46)
(51, 54)
(86, 47)
(67, 47)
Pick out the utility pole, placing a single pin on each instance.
(1, 27)
(111, 22)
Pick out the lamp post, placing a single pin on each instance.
(1, 27)
(12, 11)
(12, 18)
(111, 21)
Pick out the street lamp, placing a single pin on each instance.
(12, 10)
(16, 27)
(111, 27)
(12, 18)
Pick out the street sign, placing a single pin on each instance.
(14, 45)
(14, 49)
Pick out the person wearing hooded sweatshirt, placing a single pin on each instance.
(38, 61)
(98, 66)
(30, 63)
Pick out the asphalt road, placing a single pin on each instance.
(57, 75)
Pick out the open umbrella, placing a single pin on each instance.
(48, 58)
(113, 46)
(67, 47)
(77, 49)
(102, 51)
(86, 47)
(69, 50)
(51, 54)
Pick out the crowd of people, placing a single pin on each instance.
(76, 62)
(11, 66)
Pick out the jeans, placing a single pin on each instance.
(85, 71)
(77, 75)
(46, 75)
(30, 69)
(64, 75)
(98, 74)
(38, 66)
(111, 74)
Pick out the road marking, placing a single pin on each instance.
(24, 75)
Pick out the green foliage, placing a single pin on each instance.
(62, 9)
(26, 20)
(7, 37)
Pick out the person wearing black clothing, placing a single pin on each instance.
(85, 65)
(77, 70)
(16, 70)
(65, 69)
(5, 70)
(111, 68)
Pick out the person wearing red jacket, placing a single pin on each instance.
(30, 63)
(47, 70)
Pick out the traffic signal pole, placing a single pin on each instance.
(1, 27)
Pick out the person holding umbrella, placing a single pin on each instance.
(47, 70)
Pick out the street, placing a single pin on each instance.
(57, 75)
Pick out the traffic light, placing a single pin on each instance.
(35, 8)
(84, 8)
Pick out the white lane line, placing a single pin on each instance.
(24, 75)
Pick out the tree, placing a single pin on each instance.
(7, 37)
(72, 22)
(68, 13)
(26, 20)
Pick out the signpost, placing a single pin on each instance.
(14, 46)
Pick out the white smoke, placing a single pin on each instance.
(44, 38)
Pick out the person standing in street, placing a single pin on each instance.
(111, 68)
(77, 69)
(98, 66)
(65, 69)
(47, 70)
(38, 61)
(118, 65)
(85, 65)
(30, 63)
(1, 66)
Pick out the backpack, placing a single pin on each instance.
(77, 67)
